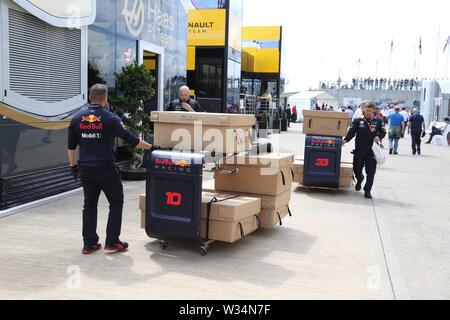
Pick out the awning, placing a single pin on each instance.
(62, 13)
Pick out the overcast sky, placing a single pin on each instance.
(324, 37)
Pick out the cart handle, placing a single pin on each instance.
(241, 230)
(279, 218)
(282, 177)
(290, 213)
(292, 172)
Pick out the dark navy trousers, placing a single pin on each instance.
(95, 181)
(365, 159)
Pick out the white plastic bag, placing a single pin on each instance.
(378, 154)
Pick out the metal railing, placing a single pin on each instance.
(250, 104)
(371, 84)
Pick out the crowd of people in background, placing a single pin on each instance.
(374, 84)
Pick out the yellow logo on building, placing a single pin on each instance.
(206, 27)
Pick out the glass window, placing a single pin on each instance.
(101, 49)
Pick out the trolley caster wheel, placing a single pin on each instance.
(163, 245)
(204, 252)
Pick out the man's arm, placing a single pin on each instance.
(187, 107)
(72, 154)
(122, 132)
(409, 127)
(351, 132)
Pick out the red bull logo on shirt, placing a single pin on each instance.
(92, 119)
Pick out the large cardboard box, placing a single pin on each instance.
(222, 133)
(231, 218)
(325, 123)
(272, 217)
(269, 174)
(267, 202)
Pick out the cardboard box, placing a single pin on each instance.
(325, 123)
(229, 231)
(267, 202)
(270, 175)
(271, 217)
(222, 133)
(230, 207)
(229, 215)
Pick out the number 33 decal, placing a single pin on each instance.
(322, 162)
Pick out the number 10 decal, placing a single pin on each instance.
(173, 198)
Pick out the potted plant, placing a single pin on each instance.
(283, 121)
(276, 122)
(135, 85)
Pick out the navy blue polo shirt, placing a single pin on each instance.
(416, 121)
(94, 130)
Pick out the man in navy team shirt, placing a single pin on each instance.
(416, 127)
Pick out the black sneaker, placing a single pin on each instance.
(390, 151)
(91, 249)
(395, 152)
(118, 246)
(418, 152)
(358, 186)
(367, 195)
(414, 153)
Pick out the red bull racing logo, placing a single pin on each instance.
(92, 119)
(166, 162)
(330, 142)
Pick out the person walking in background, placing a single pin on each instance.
(360, 111)
(405, 114)
(288, 115)
(396, 129)
(416, 127)
(294, 114)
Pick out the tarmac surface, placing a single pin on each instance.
(337, 245)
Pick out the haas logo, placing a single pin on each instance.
(134, 18)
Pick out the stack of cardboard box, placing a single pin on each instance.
(266, 177)
(345, 179)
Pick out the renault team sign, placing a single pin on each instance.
(206, 27)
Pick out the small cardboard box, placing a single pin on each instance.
(267, 202)
(325, 123)
(272, 217)
(232, 217)
(222, 133)
(269, 175)
(229, 231)
(229, 207)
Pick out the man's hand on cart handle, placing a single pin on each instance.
(377, 139)
(147, 146)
